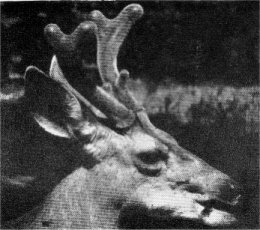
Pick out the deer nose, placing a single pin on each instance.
(230, 192)
(219, 187)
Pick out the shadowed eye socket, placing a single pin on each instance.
(153, 157)
(150, 163)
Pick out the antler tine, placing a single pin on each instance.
(110, 36)
(67, 46)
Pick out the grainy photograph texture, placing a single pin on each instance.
(132, 115)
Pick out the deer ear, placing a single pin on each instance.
(56, 73)
(54, 108)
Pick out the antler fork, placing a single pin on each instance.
(110, 36)
(112, 98)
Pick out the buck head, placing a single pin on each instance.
(128, 166)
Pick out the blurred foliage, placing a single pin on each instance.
(204, 104)
(188, 42)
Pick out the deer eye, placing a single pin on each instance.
(152, 157)
(150, 163)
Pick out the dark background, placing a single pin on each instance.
(188, 43)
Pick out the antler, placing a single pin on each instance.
(112, 98)
(67, 47)
(110, 35)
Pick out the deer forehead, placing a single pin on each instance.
(139, 142)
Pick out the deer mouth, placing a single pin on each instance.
(190, 213)
(218, 205)
(177, 208)
(217, 213)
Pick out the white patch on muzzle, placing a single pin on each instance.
(180, 204)
(218, 217)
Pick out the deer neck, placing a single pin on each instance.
(73, 204)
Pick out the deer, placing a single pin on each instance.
(130, 173)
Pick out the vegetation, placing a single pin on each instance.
(202, 104)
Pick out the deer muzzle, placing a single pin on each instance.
(191, 203)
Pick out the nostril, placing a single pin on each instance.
(237, 200)
(237, 194)
(231, 192)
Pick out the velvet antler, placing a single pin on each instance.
(112, 98)
(110, 35)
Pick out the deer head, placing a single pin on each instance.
(131, 173)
